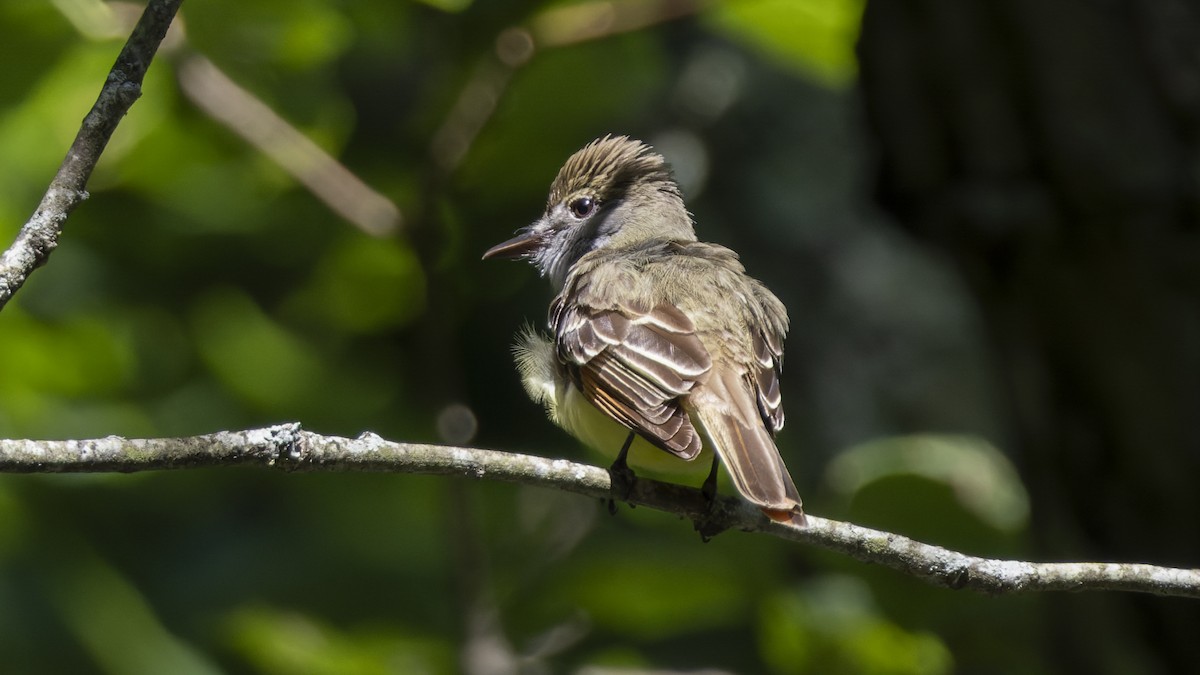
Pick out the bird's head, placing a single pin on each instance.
(615, 192)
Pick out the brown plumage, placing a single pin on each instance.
(665, 335)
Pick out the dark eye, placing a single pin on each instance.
(582, 207)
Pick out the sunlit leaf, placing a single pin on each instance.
(364, 285)
(313, 33)
(696, 593)
(72, 357)
(831, 625)
(36, 134)
(981, 477)
(309, 34)
(291, 643)
(520, 152)
(118, 626)
(448, 5)
(252, 354)
(813, 37)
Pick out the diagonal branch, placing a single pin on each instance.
(39, 236)
(255, 122)
(290, 448)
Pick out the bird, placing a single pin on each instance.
(660, 347)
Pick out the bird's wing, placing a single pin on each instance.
(634, 363)
(768, 357)
(724, 404)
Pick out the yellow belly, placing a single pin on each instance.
(544, 381)
(601, 433)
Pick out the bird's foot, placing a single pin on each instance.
(623, 480)
(709, 487)
(709, 525)
(621, 477)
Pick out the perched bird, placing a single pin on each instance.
(654, 335)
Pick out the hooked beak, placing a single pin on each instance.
(525, 244)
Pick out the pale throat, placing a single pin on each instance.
(646, 213)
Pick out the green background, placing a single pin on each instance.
(202, 288)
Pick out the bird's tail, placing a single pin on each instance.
(725, 407)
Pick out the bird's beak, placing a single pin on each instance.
(525, 244)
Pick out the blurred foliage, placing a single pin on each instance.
(983, 481)
(202, 288)
(815, 37)
(831, 626)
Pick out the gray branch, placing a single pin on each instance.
(39, 236)
(289, 448)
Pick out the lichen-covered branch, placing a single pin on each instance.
(290, 448)
(39, 236)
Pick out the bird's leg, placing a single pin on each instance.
(709, 487)
(621, 475)
(704, 525)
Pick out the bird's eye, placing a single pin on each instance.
(582, 207)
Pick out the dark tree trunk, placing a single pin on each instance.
(1050, 148)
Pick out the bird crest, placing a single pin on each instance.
(607, 166)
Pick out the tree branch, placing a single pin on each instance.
(290, 448)
(39, 236)
(213, 92)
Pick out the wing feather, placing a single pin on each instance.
(728, 415)
(634, 364)
(768, 353)
(645, 366)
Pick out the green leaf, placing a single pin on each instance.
(252, 354)
(310, 33)
(980, 477)
(286, 643)
(36, 134)
(72, 358)
(448, 5)
(813, 37)
(118, 627)
(688, 595)
(831, 625)
(364, 285)
(544, 114)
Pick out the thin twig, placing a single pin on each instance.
(290, 448)
(323, 175)
(39, 236)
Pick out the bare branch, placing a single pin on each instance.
(566, 25)
(39, 236)
(324, 176)
(290, 448)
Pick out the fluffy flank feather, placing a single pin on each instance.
(536, 362)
